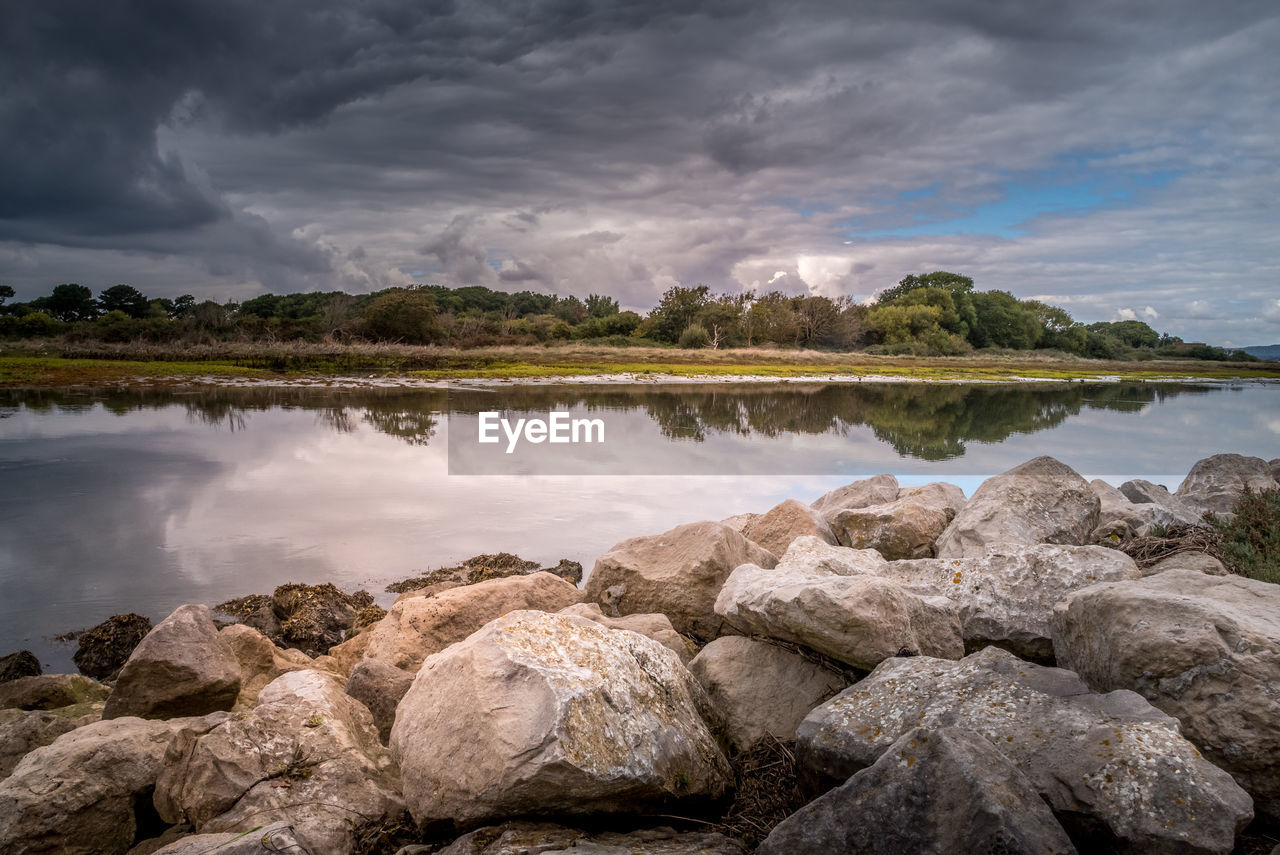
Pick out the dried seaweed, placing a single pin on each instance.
(767, 792)
(1151, 549)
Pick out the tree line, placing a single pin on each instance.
(931, 314)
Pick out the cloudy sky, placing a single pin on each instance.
(1117, 158)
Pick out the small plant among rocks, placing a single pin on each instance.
(1250, 540)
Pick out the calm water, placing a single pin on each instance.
(145, 500)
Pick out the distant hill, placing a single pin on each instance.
(1269, 352)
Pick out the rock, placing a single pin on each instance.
(104, 649)
(739, 522)
(307, 754)
(1006, 597)
(1111, 533)
(171, 835)
(809, 554)
(527, 838)
(314, 618)
(1040, 501)
(379, 687)
(904, 528)
(875, 490)
(1141, 518)
(260, 660)
(1199, 561)
(657, 627)
(944, 790)
(24, 734)
(761, 689)
(1216, 483)
(276, 837)
(1274, 465)
(21, 664)
(860, 620)
(784, 523)
(348, 653)
(255, 611)
(418, 626)
(1204, 649)
(1113, 768)
(1170, 509)
(677, 573)
(50, 691)
(553, 714)
(79, 794)
(181, 668)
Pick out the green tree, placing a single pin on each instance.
(1003, 322)
(1132, 333)
(6, 293)
(601, 306)
(407, 315)
(953, 282)
(123, 298)
(676, 310)
(69, 302)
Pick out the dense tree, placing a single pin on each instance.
(676, 310)
(601, 306)
(69, 302)
(6, 293)
(1131, 333)
(405, 315)
(1003, 322)
(124, 298)
(952, 282)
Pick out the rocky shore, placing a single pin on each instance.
(882, 670)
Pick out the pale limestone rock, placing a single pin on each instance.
(1216, 483)
(552, 714)
(657, 627)
(784, 523)
(875, 490)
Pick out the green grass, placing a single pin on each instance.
(1251, 539)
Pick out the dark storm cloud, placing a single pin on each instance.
(311, 144)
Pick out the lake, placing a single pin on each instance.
(146, 499)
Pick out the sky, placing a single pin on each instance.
(1120, 159)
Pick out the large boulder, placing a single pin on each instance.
(1114, 769)
(1204, 649)
(677, 573)
(103, 650)
(1169, 509)
(946, 791)
(875, 490)
(26, 732)
(860, 620)
(907, 527)
(50, 691)
(1006, 597)
(553, 714)
(307, 754)
(1201, 562)
(762, 689)
(810, 554)
(419, 625)
(181, 668)
(79, 795)
(21, 664)
(528, 838)
(1216, 483)
(785, 522)
(657, 627)
(261, 661)
(272, 838)
(1040, 501)
(379, 687)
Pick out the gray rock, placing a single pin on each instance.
(946, 791)
(677, 573)
(784, 523)
(261, 661)
(1169, 509)
(379, 687)
(103, 650)
(1216, 483)
(528, 838)
(1199, 561)
(1140, 517)
(181, 668)
(1040, 501)
(307, 754)
(657, 627)
(761, 689)
(26, 733)
(273, 838)
(77, 795)
(875, 490)
(907, 527)
(21, 664)
(810, 554)
(1006, 597)
(540, 714)
(1204, 649)
(50, 691)
(739, 522)
(1114, 769)
(860, 620)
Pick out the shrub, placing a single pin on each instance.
(1251, 539)
(694, 336)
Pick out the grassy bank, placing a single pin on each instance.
(112, 364)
